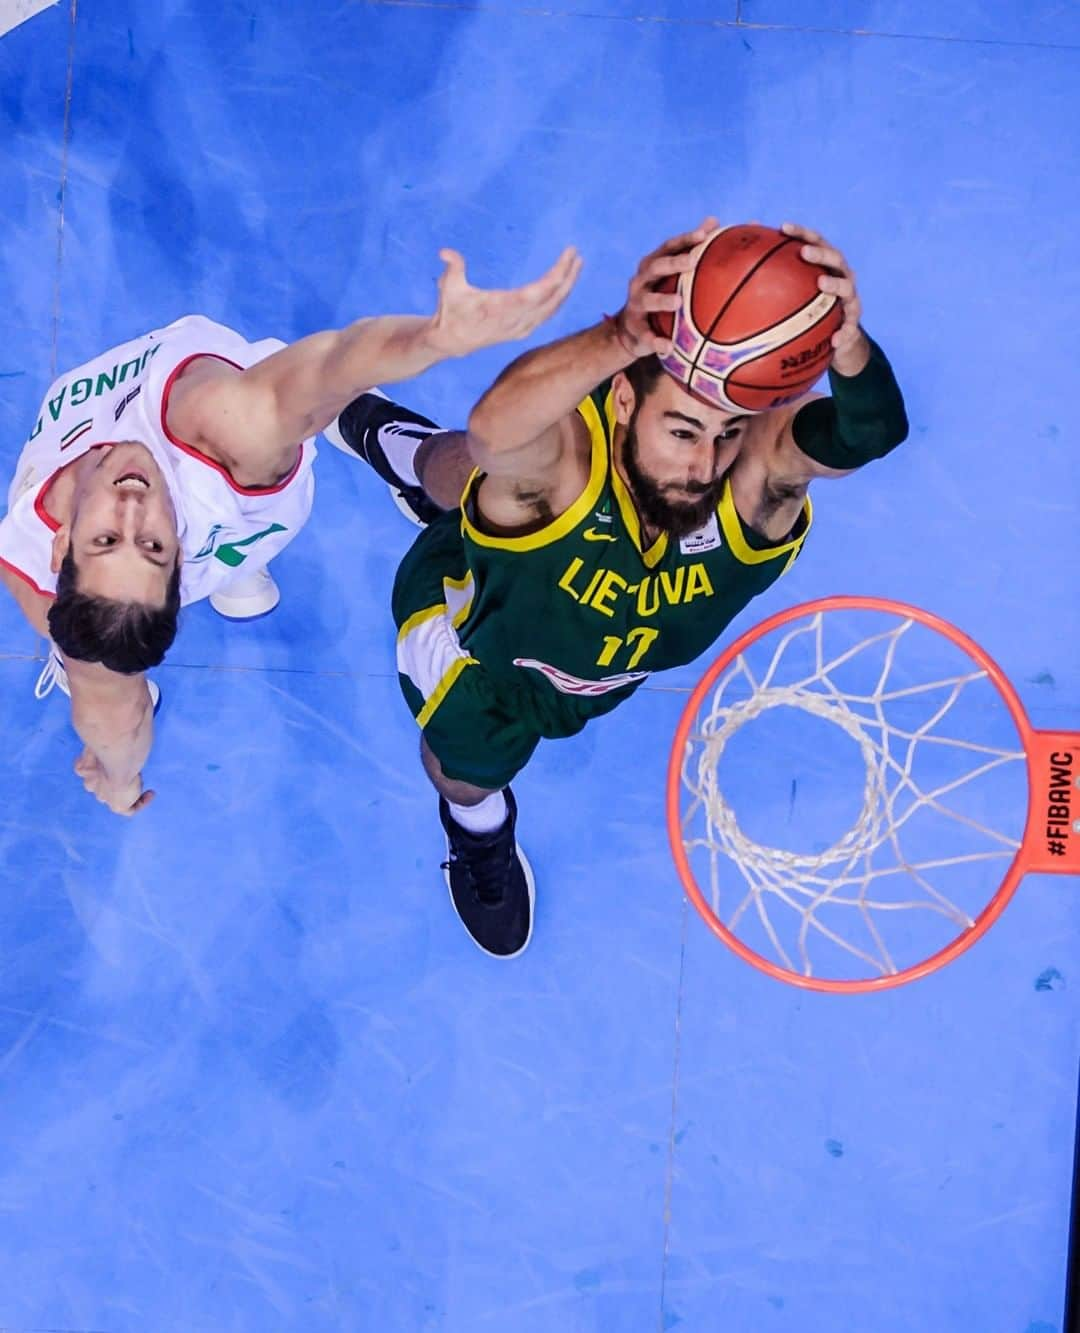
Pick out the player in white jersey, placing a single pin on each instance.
(175, 467)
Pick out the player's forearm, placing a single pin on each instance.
(121, 738)
(542, 387)
(379, 350)
(864, 418)
(314, 378)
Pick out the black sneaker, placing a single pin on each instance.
(356, 432)
(491, 883)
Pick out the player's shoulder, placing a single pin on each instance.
(201, 329)
(215, 408)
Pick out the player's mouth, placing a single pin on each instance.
(132, 480)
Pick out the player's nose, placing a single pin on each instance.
(130, 512)
(702, 466)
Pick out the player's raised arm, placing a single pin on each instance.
(864, 418)
(525, 410)
(300, 390)
(113, 715)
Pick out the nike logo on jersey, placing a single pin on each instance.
(591, 535)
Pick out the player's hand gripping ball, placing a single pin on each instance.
(753, 330)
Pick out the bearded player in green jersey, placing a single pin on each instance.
(596, 523)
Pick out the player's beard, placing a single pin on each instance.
(678, 518)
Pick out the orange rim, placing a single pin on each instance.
(990, 912)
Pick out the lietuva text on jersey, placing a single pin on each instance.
(583, 607)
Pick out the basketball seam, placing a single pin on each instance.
(769, 327)
(787, 240)
(768, 388)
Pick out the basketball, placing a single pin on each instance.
(753, 332)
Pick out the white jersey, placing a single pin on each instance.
(123, 395)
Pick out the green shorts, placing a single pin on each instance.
(480, 727)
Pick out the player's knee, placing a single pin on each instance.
(453, 789)
(442, 466)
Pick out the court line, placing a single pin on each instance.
(736, 24)
(63, 185)
(233, 669)
(669, 1171)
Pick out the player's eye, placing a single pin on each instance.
(152, 544)
(684, 434)
(732, 433)
(105, 539)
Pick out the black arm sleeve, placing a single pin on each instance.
(864, 419)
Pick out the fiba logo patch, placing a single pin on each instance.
(704, 539)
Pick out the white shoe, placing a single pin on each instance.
(246, 597)
(53, 676)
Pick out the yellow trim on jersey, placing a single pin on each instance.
(655, 553)
(463, 585)
(441, 608)
(570, 518)
(441, 690)
(600, 428)
(418, 618)
(740, 547)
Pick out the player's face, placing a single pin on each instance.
(123, 528)
(677, 453)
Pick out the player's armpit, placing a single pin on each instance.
(538, 458)
(530, 486)
(219, 411)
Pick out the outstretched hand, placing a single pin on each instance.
(469, 318)
(126, 800)
(675, 256)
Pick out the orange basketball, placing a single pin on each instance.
(754, 331)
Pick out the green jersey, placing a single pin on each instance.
(568, 621)
(583, 612)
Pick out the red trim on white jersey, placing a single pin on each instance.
(53, 524)
(21, 574)
(210, 462)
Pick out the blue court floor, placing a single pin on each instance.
(253, 1076)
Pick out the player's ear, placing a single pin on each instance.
(60, 544)
(623, 398)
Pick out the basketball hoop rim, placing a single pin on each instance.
(1017, 867)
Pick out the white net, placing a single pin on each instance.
(943, 774)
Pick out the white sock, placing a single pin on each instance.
(399, 442)
(486, 817)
